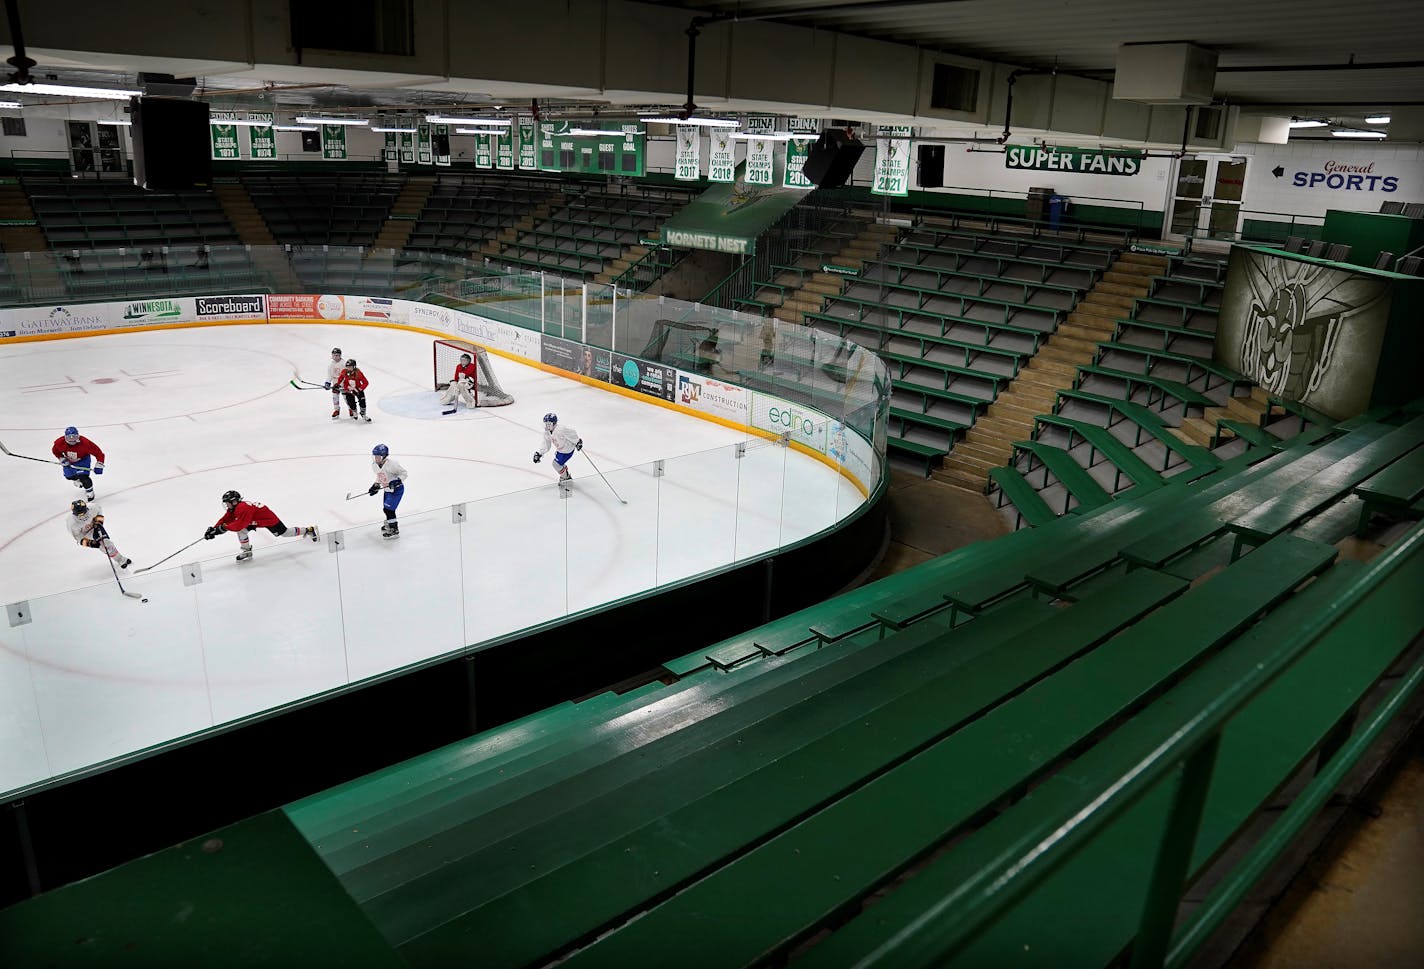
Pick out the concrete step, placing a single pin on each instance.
(995, 454)
(960, 478)
(1018, 411)
(1109, 300)
(1099, 311)
(1005, 429)
(1094, 320)
(1246, 409)
(1194, 430)
(968, 462)
(1031, 381)
(996, 440)
(1071, 340)
(1058, 367)
(1021, 393)
(1137, 282)
(1121, 289)
(824, 288)
(1158, 263)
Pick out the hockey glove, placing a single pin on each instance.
(98, 469)
(88, 543)
(578, 445)
(326, 386)
(538, 455)
(373, 489)
(212, 532)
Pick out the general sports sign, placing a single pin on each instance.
(1086, 161)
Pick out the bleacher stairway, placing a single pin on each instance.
(525, 223)
(246, 220)
(990, 442)
(15, 206)
(404, 212)
(805, 291)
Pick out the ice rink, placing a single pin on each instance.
(183, 415)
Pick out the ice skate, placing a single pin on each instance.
(390, 530)
(89, 494)
(354, 417)
(365, 418)
(310, 532)
(245, 555)
(336, 414)
(125, 563)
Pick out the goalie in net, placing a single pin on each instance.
(464, 374)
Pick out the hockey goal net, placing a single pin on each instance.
(488, 392)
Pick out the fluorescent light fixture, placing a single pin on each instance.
(11, 104)
(1377, 119)
(1307, 124)
(354, 122)
(697, 122)
(70, 91)
(240, 122)
(402, 131)
(121, 124)
(1358, 134)
(601, 132)
(776, 136)
(480, 131)
(488, 122)
(293, 127)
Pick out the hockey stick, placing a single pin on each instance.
(162, 560)
(605, 480)
(312, 387)
(26, 457)
(358, 494)
(131, 595)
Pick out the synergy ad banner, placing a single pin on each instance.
(689, 163)
(721, 156)
(1304, 331)
(892, 161)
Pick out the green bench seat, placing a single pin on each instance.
(1028, 505)
(929, 454)
(905, 362)
(864, 306)
(1074, 478)
(975, 404)
(1395, 491)
(982, 280)
(917, 252)
(1194, 366)
(1015, 359)
(941, 789)
(1102, 443)
(1145, 421)
(1157, 388)
(1167, 333)
(965, 300)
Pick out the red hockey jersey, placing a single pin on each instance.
(246, 514)
(353, 380)
(76, 452)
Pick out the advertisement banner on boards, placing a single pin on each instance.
(148, 312)
(892, 161)
(301, 307)
(576, 358)
(653, 379)
(712, 396)
(375, 308)
(528, 145)
(261, 140)
(333, 142)
(44, 320)
(500, 336)
(803, 424)
(244, 307)
(689, 162)
(721, 156)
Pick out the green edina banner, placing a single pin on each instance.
(223, 135)
(333, 142)
(484, 152)
(504, 150)
(528, 145)
(1088, 161)
(261, 141)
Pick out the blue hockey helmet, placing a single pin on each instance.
(551, 418)
(71, 434)
(380, 451)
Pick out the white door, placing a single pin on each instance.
(1206, 197)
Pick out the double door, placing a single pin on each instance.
(1206, 197)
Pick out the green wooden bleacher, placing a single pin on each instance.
(1145, 421)
(1203, 368)
(1101, 443)
(1396, 491)
(1029, 506)
(1156, 388)
(1078, 484)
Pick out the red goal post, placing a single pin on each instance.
(446, 357)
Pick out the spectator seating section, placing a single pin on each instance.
(590, 227)
(109, 213)
(463, 212)
(337, 209)
(933, 720)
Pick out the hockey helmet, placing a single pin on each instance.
(551, 418)
(351, 362)
(71, 435)
(231, 497)
(380, 451)
(80, 507)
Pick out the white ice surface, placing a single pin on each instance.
(184, 415)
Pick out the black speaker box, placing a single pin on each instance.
(440, 144)
(832, 159)
(171, 145)
(931, 166)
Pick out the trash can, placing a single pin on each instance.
(1036, 203)
(1057, 208)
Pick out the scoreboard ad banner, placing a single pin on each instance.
(617, 148)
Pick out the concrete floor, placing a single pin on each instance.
(1359, 903)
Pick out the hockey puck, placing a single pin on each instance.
(143, 600)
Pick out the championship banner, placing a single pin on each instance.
(892, 161)
(759, 124)
(261, 142)
(424, 155)
(391, 152)
(1092, 161)
(407, 147)
(333, 142)
(223, 135)
(484, 153)
(443, 130)
(528, 145)
(796, 154)
(504, 150)
(689, 162)
(721, 156)
(761, 162)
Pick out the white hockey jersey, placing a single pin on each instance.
(562, 439)
(389, 473)
(81, 526)
(333, 371)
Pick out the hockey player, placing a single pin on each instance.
(75, 451)
(333, 381)
(87, 527)
(353, 385)
(390, 478)
(565, 441)
(241, 515)
(462, 387)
